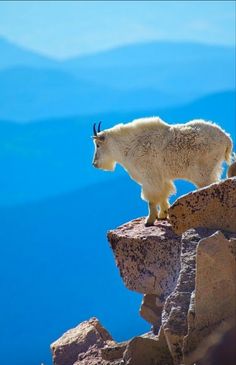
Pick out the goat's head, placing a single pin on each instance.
(102, 155)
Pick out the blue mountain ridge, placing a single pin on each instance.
(175, 68)
(27, 94)
(134, 77)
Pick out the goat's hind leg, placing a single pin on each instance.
(168, 189)
(164, 206)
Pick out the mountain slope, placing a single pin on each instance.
(14, 55)
(147, 53)
(27, 94)
(174, 68)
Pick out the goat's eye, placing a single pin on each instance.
(98, 145)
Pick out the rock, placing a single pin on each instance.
(151, 309)
(213, 207)
(174, 315)
(221, 348)
(148, 260)
(200, 289)
(215, 290)
(147, 257)
(114, 351)
(80, 340)
(232, 170)
(94, 356)
(147, 350)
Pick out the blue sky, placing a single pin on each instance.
(68, 28)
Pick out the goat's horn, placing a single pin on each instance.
(99, 127)
(94, 130)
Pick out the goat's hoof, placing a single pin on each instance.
(149, 224)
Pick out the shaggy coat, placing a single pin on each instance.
(155, 153)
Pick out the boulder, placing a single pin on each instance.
(212, 207)
(214, 303)
(151, 309)
(114, 352)
(147, 350)
(147, 257)
(148, 260)
(88, 337)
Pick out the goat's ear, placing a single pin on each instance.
(100, 138)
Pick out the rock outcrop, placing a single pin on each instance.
(212, 207)
(148, 260)
(147, 257)
(186, 269)
(82, 345)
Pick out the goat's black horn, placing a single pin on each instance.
(99, 127)
(94, 130)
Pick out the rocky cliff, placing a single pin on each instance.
(186, 269)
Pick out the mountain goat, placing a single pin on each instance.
(155, 153)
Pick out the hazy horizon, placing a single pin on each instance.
(111, 48)
(69, 29)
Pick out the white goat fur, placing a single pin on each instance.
(155, 153)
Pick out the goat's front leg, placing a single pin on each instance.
(153, 214)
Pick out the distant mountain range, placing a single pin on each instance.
(183, 67)
(135, 77)
(54, 156)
